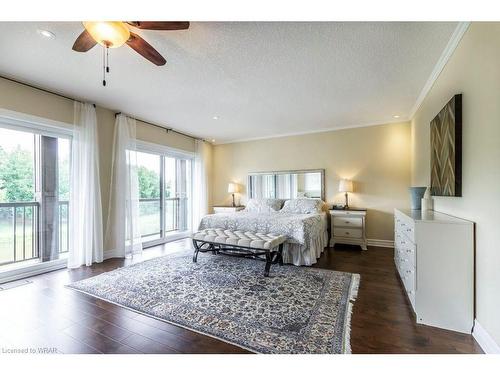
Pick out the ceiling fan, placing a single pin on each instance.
(114, 34)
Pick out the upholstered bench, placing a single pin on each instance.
(239, 243)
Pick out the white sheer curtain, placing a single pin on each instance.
(283, 188)
(200, 185)
(294, 186)
(123, 237)
(85, 227)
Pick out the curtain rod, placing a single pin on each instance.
(41, 89)
(163, 128)
(73, 99)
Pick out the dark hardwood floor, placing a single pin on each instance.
(45, 314)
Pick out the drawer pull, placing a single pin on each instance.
(347, 222)
(346, 232)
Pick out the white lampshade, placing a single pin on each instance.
(108, 34)
(232, 188)
(345, 186)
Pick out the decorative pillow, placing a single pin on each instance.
(264, 205)
(303, 206)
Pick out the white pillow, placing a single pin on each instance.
(303, 206)
(264, 205)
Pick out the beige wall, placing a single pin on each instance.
(24, 99)
(377, 158)
(474, 71)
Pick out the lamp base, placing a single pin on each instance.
(346, 201)
(234, 204)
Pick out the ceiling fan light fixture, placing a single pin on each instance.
(112, 34)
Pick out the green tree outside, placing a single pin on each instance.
(149, 183)
(16, 176)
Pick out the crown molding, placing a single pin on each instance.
(324, 130)
(455, 39)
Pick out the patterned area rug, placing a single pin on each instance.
(295, 310)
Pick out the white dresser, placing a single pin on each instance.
(348, 226)
(434, 255)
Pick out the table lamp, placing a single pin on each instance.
(345, 186)
(232, 188)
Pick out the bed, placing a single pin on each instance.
(307, 233)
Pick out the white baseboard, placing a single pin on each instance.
(379, 243)
(484, 339)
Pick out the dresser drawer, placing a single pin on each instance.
(405, 227)
(348, 232)
(409, 284)
(408, 276)
(408, 252)
(346, 221)
(405, 246)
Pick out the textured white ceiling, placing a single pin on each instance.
(259, 79)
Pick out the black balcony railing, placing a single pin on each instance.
(20, 231)
(19, 228)
(20, 225)
(152, 220)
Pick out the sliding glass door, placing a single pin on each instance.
(178, 176)
(148, 172)
(165, 195)
(34, 193)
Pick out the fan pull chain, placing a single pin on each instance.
(107, 59)
(103, 67)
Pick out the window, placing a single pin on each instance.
(165, 183)
(148, 173)
(34, 193)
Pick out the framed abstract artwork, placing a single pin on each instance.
(446, 150)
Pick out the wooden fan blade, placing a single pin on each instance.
(145, 49)
(159, 25)
(84, 42)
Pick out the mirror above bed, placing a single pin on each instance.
(307, 183)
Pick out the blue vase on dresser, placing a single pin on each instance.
(416, 194)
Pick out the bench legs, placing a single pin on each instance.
(269, 261)
(272, 257)
(196, 251)
(280, 254)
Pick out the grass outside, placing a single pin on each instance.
(26, 250)
(149, 223)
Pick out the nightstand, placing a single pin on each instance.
(227, 209)
(348, 227)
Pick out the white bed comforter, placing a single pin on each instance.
(307, 234)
